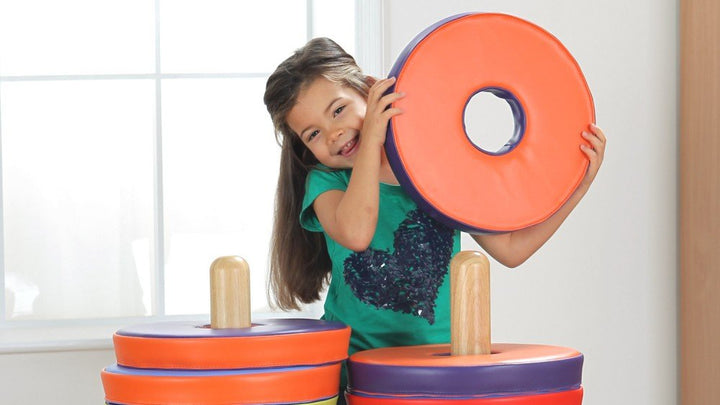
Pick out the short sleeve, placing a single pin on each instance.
(319, 181)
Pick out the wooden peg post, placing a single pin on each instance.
(469, 304)
(229, 293)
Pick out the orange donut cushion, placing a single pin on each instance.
(512, 372)
(215, 387)
(432, 156)
(185, 345)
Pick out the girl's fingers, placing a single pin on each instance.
(390, 98)
(594, 150)
(391, 112)
(589, 151)
(381, 104)
(370, 81)
(596, 141)
(382, 83)
(380, 86)
(598, 132)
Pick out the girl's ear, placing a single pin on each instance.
(369, 80)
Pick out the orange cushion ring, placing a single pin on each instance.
(274, 361)
(268, 343)
(292, 385)
(433, 158)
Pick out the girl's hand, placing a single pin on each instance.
(377, 113)
(595, 151)
(513, 248)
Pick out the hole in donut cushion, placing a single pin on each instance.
(493, 121)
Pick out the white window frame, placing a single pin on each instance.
(32, 336)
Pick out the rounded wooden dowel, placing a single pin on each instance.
(229, 293)
(469, 304)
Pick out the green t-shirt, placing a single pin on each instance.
(397, 292)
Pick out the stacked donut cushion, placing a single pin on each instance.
(428, 375)
(276, 361)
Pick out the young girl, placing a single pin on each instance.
(342, 217)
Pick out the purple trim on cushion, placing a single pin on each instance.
(391, 148)
(261, 327)
(459, 397)
(153, 372)
(500, 379)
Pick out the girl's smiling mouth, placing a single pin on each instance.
(349, 147)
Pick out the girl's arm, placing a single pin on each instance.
(513, 248)
(349, 217)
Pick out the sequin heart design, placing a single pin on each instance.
(408, 279)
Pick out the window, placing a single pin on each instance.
(135, 147)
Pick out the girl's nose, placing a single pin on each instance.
(334, 135)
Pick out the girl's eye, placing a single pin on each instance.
(338, 110)
(312, 135)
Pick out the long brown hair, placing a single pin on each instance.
(299, 262)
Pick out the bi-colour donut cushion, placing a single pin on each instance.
(267, 343)
(292, 385)
(429, 371)
(434, 159)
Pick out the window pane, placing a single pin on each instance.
(47, 37)
(335, 20)
(77, 197)
(77, 156)
(220, 169)
(228, 35)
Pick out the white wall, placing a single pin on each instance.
(61, 378)
(605, 284)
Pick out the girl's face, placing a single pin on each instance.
(328, 118)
